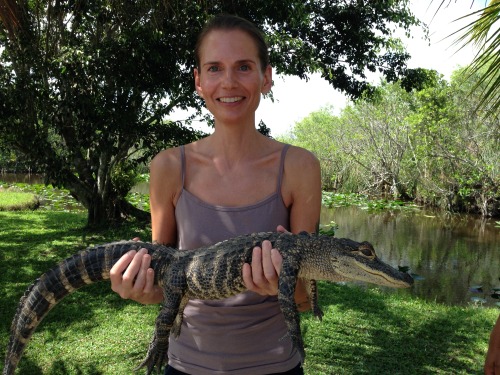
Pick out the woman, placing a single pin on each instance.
(235, 181)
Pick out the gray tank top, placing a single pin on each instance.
(243, 334)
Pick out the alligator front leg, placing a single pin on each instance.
(312, 292)
(156, 356)
(286, 298)
(176, 329)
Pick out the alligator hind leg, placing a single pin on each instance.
(158, 347)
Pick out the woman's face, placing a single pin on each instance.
(230, 78)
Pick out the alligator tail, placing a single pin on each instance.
(84, 268)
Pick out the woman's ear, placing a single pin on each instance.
(267, 83)
(197, 84)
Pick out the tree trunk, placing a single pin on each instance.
(113, 211)
(105, 207)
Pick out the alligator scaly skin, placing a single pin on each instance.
(212, 272)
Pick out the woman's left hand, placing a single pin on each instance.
(262, 275)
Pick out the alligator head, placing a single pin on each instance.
(343, 259)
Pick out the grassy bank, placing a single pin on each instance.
(17, 200)
(93, 331)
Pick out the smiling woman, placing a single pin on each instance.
(235, 181)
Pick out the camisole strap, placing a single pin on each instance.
(183, 164)
(282, 167)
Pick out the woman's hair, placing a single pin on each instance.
(227, 22)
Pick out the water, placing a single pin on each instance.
(27, 178)
(451, 253)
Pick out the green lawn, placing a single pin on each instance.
(93, 331)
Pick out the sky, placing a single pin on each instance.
(295, 99)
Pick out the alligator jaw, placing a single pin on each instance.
(387, 276)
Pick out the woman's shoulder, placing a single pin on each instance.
(167, 159)
(298, 158)
(301, 187)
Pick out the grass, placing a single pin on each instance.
(93, 331)
(367, 331)
(17, 200)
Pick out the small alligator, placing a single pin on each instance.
(212, 272)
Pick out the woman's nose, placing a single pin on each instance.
(229, 79)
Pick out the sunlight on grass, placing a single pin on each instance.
(17, 200)
(93, 331)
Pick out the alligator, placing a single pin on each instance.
(212, 272)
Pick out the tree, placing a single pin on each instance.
(430, 145)
(86, 87)
(316, 133)
(377, 137)
(456, 147)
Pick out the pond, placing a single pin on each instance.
(453, 255)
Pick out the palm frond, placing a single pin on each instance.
(482, 34)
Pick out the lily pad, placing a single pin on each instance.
(478, 300)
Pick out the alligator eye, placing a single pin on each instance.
(367, 251)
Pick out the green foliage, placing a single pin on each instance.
(431, 146)
(49, 198)
(457, 148)
(332, 200)
(481, 32)
(328, 229)
(86, 88)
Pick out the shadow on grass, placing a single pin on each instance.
(365, 332)
(58, 368)
(34, 242)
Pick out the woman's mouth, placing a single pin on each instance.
(230, 99)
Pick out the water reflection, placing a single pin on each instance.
(451, 252)
(27, 178)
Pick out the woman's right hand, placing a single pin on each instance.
(132, 278)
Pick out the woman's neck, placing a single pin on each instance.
(235, 140)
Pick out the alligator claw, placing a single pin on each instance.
(156, 356)
(317, 312)
(153, 360)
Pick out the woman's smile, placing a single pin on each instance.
(232, 99)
